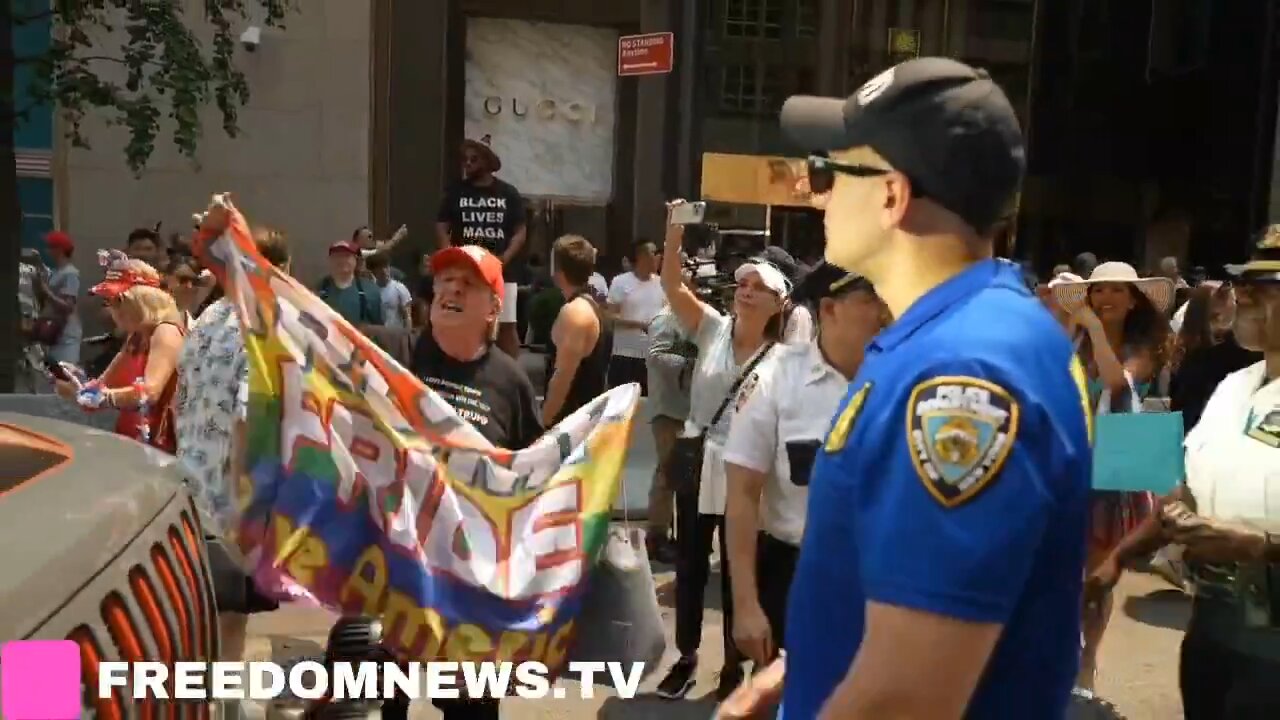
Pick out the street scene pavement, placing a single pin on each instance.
(1138, 669)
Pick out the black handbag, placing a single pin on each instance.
(683, 467)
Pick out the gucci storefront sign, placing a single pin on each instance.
(545, 109)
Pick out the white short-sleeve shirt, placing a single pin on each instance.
(789, 399)
(639, 301)
(395, 298)
(1233, 469)
(213, 394)
(714, 373)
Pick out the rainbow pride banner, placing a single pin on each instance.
(365, 493)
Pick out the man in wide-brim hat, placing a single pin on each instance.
(492, 163)
(481, 209)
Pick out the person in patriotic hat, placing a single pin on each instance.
(141, 379)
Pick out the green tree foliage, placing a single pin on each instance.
(131, 63)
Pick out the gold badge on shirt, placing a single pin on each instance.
(745, 391)
(1267, 431)
(840, 429)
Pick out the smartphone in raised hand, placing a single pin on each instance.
(688, 213)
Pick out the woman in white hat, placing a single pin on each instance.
(1226, 520)
(1050, 300)
(1121, 328)
(729, 348)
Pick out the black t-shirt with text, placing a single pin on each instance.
(491, 392)
(484, 215)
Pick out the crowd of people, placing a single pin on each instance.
(889, 452)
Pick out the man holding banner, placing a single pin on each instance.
(454, 520)
(455, 358)
(940, 570)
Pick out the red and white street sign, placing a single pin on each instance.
(648, 54)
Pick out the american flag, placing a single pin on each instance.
(34, 163)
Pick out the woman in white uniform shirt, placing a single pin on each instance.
(784, 411)
(727, 346)
(1227, 517)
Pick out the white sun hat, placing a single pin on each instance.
(1072, 295)
(1065, 277)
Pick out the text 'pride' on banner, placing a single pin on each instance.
(366, 493)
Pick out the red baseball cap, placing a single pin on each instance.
(58, 240)
(344, 246)
(483, 261)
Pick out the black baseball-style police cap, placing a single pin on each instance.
(946, 126)
(827, 280)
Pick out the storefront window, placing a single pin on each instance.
(754, 18)
(807, 18)
(1001, 19)
(738, 90)
(762, 51)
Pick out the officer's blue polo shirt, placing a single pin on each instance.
(955, 480)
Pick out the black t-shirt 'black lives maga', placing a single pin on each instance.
(492, 392)
(484, 215)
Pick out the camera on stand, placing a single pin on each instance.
(714, 254)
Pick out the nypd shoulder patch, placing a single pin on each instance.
(960, 431)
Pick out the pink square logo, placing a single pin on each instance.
(40, 680)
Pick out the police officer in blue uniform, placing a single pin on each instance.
(940, 573)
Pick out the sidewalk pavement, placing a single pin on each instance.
(1138, 668)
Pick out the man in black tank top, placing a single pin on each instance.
(580, 337)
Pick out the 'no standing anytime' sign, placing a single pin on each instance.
(648, 54)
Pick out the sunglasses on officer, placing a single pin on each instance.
(822, 173)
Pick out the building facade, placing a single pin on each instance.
(33, 138)
(300, 162)
(1151, 125)
(736, 61)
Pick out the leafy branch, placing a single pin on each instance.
(137, 60)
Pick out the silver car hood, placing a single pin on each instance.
(61, 528)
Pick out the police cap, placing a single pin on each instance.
(946, 126)
(827, 280)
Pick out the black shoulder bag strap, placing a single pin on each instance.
(737, 384)
(366, 315)
(684, 463)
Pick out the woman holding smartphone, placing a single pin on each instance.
(1228, 521)
(142, 378)
(729, 346)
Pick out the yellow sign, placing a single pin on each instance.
(755, 180)
(904, 44)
